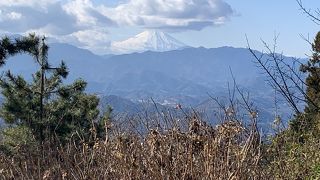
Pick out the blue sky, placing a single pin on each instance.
(208, 23)
(261, 20)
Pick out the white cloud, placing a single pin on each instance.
(9, 16)
(170, 14)
(97, 40)
(43, 4)
(86, 24)
(85, 13)
(14, 15)
(28, 16)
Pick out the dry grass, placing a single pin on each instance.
(227, 151)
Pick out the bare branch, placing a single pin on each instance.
(313, 15)
(274, 72)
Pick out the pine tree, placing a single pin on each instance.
(311, 119)
(46, 106)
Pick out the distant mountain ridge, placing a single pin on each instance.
(184, 72)
(183, 76)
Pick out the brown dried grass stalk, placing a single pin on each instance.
(228, 151)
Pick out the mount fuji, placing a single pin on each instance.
(150, 40)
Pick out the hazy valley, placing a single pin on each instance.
(186, 76)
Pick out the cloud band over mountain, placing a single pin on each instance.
(76, 20)
(171, 14)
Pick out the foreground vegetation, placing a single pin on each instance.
(201, 152)
(230, 150)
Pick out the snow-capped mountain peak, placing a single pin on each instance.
(150, 40)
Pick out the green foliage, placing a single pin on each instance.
(45, 105)
(14, 138)
(310, 122)
(316, 171)
(72, 116)
(288, 158)
(105, 123)
(294, 153)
